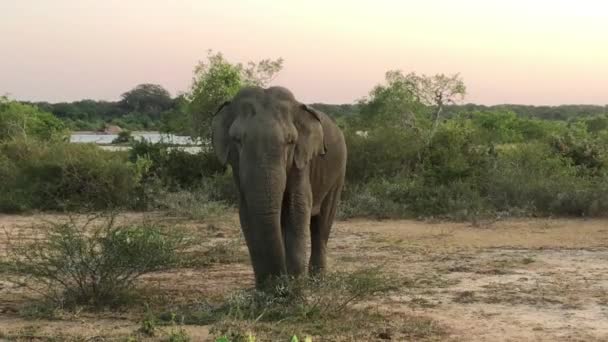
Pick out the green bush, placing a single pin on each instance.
(531, 177)
(123, 137)
(57, 176)
(94, 263)
(176, 168)
(381, 152)
(19, 120)
(463, 172)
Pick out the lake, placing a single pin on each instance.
(154, 137)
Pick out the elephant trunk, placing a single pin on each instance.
(263, 195)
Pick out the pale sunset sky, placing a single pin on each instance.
(335, 51)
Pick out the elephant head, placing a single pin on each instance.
(267, 137)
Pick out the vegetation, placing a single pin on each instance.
(413, 152)
(62, 176)
(217, 80)
(93, 263)
(328, 307)
(25, 121)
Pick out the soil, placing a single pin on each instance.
(507, 280)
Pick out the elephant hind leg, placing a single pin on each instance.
(320, 228)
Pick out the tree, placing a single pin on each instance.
(22, 120)
(411, 101)
(438, 91)
(151, 99)
(216, 80)
(394, 102)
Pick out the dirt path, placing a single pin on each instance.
(513, 280)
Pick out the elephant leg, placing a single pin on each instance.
(320, 227)
(296, 220)
(266, 254)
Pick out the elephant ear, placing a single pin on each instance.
(220, 139)
(310, 141)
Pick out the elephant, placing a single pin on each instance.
(288, 162)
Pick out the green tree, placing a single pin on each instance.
(151, 99)
(394, 102)
(216, 80)
(438, 91)
(22, 120)
(410, 101)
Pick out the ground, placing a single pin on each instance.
(505, 280)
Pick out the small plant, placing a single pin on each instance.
(148, 325)
(177, 334)
(123, 137)
(94, 263)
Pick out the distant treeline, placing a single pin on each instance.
(155, 112)
(563, 112)
(141, 108)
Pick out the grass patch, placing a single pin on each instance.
(193, 205)
(339, 304)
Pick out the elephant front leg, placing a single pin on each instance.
(295, 221)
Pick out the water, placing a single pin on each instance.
(154, 137)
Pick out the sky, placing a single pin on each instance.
(540, 52)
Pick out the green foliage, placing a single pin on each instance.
(381, 152)
(94, 262)
(60, 176)
(25, 121)
(217, 80)
(175, 167)
(123, 137)
(147, 98)
(473, 163)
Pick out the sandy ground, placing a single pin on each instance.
(512, 280)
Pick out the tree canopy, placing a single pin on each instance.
(19, 120)
(216, 80)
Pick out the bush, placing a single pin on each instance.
(382, 152)
(123, 137)
(531, 177)
(174, 167)
(61, 176)
(412, 197)
(19, 120)
(93, 263)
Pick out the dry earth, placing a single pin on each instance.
(511, 280)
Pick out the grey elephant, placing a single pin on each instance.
(288, 162)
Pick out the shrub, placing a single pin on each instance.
(384, 152)
(19, 120)
(176, 168)
(531, 177)
(123, 137)
(59, 176)
(94, 263)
